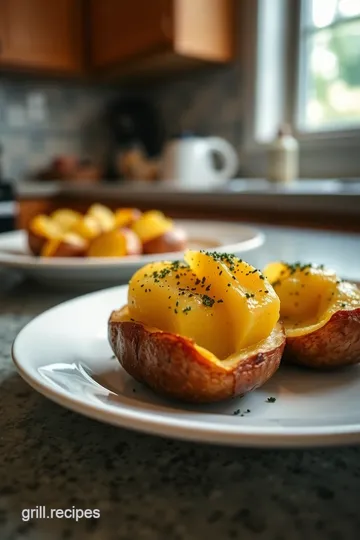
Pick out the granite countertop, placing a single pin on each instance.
(150, 488)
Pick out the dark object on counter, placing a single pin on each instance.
(70, 168)
(136, 131)
(7, 207)
(7, 202)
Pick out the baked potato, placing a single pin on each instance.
(200, 332)
(41, 228)
(125, 217)
(66, 245)
(159, 234)
(116, 243)
(173, 240)
(88, 227)
(66, 218)
(103, 215)
(321, 315)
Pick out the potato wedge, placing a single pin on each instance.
(87, 227)
(176, 367)
(115, 243)
(125, 217)
(66, 218)
(173, 240)
(151, 225)
(103, 215)
(41, 229)
(68, 245)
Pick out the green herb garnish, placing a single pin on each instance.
(207, 300)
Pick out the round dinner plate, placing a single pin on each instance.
(65, 355)
(105, 272)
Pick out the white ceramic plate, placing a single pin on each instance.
(98, 273)
(65, 355)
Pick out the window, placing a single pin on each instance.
(329, 68)
(302, 67)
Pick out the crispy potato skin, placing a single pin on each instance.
(334, 345)
(173, 240)
(66, 249)
(171, 365)
(35, 242)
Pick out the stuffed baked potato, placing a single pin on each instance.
(199, 331)
(321, 315)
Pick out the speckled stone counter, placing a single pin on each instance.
(150, 488)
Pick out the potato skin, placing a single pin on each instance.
(172, 240)
(171, 365)
(35, 242)
(334, 345)
(67, 249)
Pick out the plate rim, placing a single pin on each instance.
(151, 422)
(30, 262)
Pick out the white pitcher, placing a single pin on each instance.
(187, 161)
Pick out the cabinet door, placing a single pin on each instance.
(44, 34)
(122, 29)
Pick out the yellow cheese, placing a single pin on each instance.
(44, 226)
(309, 295)
(220, 302)
(151, 225)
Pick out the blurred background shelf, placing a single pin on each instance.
(321, 204)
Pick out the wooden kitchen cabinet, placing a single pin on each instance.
(41, 35)
(140, 36)
(121, 29)
(123, 37)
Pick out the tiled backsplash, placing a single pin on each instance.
(39, 120)
(208, 102)
(42, 119)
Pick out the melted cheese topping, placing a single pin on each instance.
(219, 301)
(309, 295)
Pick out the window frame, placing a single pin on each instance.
(339, 149)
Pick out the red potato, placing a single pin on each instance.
(158, 233)
(151, 225)
(87, 227)
(68, 245)
(104, 217)
(173, 240)
(125, 217)
(35, 242)
(174, 366)
(117, 243)
(65, 218)
(41, 228)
